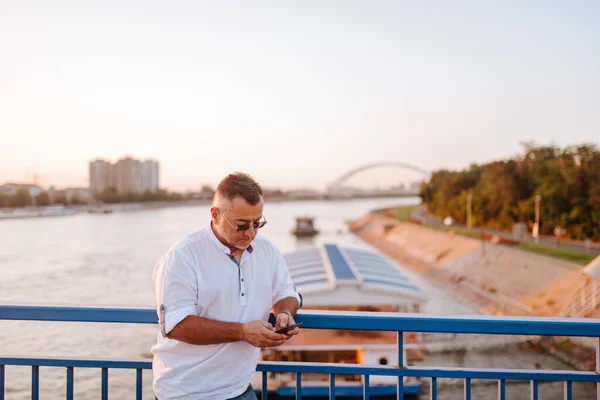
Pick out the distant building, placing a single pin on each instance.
(416, 186)
(53, 194)
(299, 194)
(10, 189)
(100, 174)
(77, 195)
(127, 175)
(150, 176)
(348, 192)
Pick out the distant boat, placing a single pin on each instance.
(100, 210)
(51, 211)
(305, 227)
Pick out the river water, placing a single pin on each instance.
(107, 260)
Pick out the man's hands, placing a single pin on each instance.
(262, 334)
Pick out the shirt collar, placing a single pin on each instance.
(221, 246)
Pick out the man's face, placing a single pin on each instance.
(241, 213)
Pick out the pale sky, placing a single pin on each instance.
(296, 93)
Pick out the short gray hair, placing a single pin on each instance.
(238, 184)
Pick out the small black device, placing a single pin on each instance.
(285, 329)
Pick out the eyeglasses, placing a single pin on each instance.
(244, 227)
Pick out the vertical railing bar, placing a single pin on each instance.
(138, 384)
(366, 394)
(502, 389)
(265, 388)
(1, 382)
(534, 390)
(400, 364)
(331, 386)
(35, 382)
(433, 390)
(467, 388)
(298, 385)
(568, 391)
(104, 383)
(598, 367)
(70, 377)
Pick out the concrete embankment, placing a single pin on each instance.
(495, 279)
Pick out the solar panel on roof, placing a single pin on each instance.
(311, 273)
(340, 267)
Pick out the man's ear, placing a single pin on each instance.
(214, 213)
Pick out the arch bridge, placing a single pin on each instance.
(337, 184)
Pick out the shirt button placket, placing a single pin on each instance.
(242, 291)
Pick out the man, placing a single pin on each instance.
(214, 292)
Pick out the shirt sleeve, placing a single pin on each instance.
(282, 282)
(176, 289)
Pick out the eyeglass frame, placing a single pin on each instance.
(246, 226)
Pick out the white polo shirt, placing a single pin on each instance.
(198, 277)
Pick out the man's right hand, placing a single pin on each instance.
(261, 334)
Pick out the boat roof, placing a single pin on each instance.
(331, 275)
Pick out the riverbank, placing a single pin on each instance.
(495, 279)
(109, 208)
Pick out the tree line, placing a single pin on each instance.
(22, 198)
(504, 192)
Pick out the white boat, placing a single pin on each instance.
(100, 210)
(331, 277)
(33, 212)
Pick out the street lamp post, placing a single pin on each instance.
(469, 215)
(537, 218)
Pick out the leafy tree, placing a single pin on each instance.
(42, 199)
(60, 198)
(568, 180)
(4, 200)
(21, 198)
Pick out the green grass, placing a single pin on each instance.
(567, 255)
(402, 213)
(472, 235)
(573, 256)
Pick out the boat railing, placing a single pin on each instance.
(370, 321)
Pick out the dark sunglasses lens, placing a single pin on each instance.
(255, 225)
(243, 228)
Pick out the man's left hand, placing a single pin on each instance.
(283, 320)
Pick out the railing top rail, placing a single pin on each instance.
(408, 322)
(78, 314)
(75, 362)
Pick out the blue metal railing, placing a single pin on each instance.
(332, 320)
